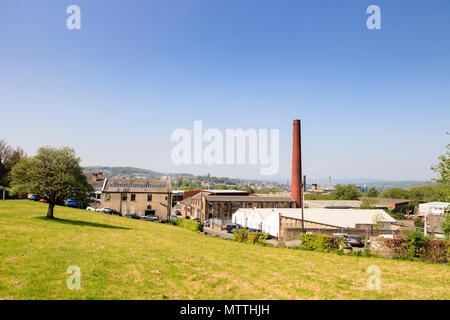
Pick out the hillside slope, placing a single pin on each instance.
(121, 258)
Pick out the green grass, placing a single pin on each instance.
(122, 258)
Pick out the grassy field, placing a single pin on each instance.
(122, 258)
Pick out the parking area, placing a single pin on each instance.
(217, 233)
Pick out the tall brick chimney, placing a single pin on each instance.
(296, 188)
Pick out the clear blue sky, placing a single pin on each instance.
(373, 103)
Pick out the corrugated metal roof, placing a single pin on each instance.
(344, 218)
(249, 198)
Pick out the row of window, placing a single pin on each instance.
(249, 205)
(132, 197)
(138, 186)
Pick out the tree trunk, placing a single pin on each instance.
(50, 210)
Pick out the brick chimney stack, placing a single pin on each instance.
(296, 188)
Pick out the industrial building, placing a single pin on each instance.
(286, 224)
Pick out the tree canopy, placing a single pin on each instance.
(53, 173)
(345, 192)
(443, 167)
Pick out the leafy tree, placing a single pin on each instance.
(445, 226)
(443, 167)
(9, 157)
(249, 189)
(54, 174)
(367, 203)
(395, 193)
(418, 222)
(345, 192)
(372, 192)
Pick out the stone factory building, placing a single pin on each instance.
(138, 196)
(220, 207)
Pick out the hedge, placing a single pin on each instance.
(188, 224)
(320, 242)
(416, 245)
(243, 235)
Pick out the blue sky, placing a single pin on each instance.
(373, 103)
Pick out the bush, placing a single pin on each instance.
(437, 251)
(243, 235)
(320, 242)
(416, 242)
(188, 224)
(418, 222)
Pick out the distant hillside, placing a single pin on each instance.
(123, 171)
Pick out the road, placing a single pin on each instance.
(222, 234)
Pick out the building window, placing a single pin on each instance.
(210, 205)
(124, 196)
(275, 204)
(249, 205)
(149, 207)
(133, 197)
(233, 205)
(108, 196)
(149, 197)
(290, 205)
(225, 205)
(259, 205)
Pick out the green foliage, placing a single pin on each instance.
(316, 196)
(445, 226)
(418, 222)
(345, 192)
(443, 167)
(395, 193)
(54, 174)
(243, 235)
(320, 242)
(396, 215)
(9, 157)
(188, 224)
(416, 242)
(427, 193)
(372, 192)
(368, 203)
(402, 256)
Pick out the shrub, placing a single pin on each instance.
(320, 242)
(418, 222)
(437, 251)
(189, 224)
(416, 242)
(243, 235)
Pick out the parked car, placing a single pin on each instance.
(346, 237)
(173, 218)
(207, 223)
(133, 216)
(73, 203)
(115, 212)
(106, 210)
(197, 220)
(43, 200)
(90, 208)
(231, 227)
(187, 217)
(35, 198)
(355, 241)
(253, 230)
(150, 218)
